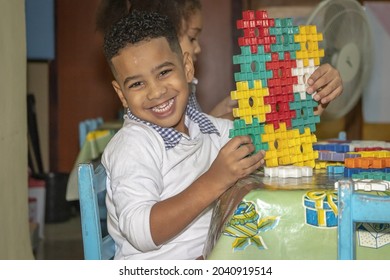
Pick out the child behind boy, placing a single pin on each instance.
(168, 163)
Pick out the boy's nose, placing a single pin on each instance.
(156, 90)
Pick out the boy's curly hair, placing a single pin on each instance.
(136, 27)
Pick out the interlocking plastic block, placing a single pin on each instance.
(275, 62)
(363, 144)
(254, 130)
(280, 90)
(335, 169)
(370, 149)
(334, 147)
(308, 39)
(351, 172)
(303, 103)
(351, 155)
(280, 112)
(289, 147)
(321, 165)
(376, 154)
(303, 73)
(377, 175)
(281, 74)
(367, 162)
(284, 32)
(371, 185)
(288, 171)
(329, 156)
(256, 30)
(333, 156)
(252, 66)
(304, 113)
(250, 101)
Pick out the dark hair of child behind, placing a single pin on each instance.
(137, 27)
(178, 11)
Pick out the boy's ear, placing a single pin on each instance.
(188, 67)
(120, 94)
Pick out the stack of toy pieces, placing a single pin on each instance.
(363, 161)
(275, 62)
(332, 155)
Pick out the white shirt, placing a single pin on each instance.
(141, 172)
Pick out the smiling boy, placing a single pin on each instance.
(169, 163)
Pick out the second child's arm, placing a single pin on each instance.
(232, 163)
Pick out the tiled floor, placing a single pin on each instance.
(62, 241)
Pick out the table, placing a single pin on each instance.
(291, 218)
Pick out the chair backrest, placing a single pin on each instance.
(97, 243)
(87, 126)
(357, 207)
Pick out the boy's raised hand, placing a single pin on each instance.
(235, 161)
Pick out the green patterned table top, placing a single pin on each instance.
(286, 218)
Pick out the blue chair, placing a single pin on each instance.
(357, 207)
(97, 243)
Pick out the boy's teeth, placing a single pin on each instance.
(163, 107)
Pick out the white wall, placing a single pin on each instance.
(14, 227)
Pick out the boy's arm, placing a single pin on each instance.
(224, 109)
(326, 81)
(231, 164)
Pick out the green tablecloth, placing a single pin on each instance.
(274, 218)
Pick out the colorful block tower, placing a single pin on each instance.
(275, 62)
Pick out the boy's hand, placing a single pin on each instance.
(326, 81)
(235, 161)
(232, 163)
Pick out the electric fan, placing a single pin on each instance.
(347, 45)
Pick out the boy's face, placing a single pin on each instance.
(152, 81)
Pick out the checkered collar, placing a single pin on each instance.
(170, 135)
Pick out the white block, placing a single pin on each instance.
(369, 185)
(288, 171)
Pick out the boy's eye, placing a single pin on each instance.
(165, 72)
(135, 85)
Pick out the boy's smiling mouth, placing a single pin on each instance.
(164, 107)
